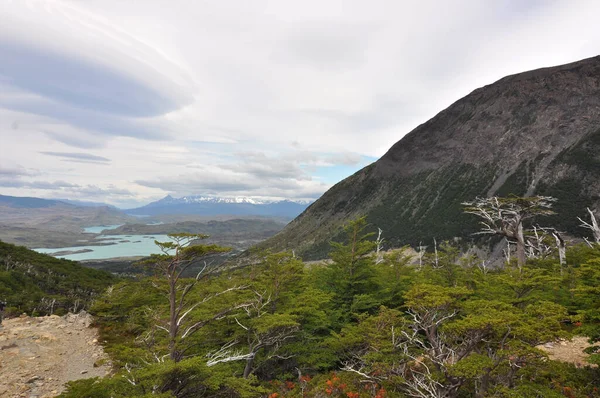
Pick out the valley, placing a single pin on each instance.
(290, 199)
(91, 233)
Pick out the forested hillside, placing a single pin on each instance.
(364, 324)
(40, 284)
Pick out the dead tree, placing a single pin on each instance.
(562, 249)
(505, 217)
(379, 242)
(540, 243)
(421, 254)
(592, 225)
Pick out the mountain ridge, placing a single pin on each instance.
(212, 205)
(531, 133)
(30, 202)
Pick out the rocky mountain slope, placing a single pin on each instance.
(536, 132)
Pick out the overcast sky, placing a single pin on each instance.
(126, 101)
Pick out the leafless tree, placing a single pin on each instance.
(421, 254)
(592, 225)
(562, 249)
(538, 242)
(379, 242)
(484, 267)
(435, 251)
(505, 217)
(9, 263)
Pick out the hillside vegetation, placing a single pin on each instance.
(364, 324)
(42, 285)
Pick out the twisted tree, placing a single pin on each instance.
(505, 217)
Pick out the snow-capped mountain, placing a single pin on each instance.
(213, 199)
(212, 205)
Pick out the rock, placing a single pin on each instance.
(31, 380)
(84, 372)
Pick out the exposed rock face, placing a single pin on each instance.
(536, 132)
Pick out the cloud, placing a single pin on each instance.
(17, 171)
(96, 191)
(80, 83)
(323, 44)
(48, 114)
(63, 62)
(232, 180)
(77, 156)
(19, 183)
(347, 159)
(252, 98)
(259, 165)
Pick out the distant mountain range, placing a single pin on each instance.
(39, 203)
(84, 203)
(212, 206)
(29, 203)
(534, 133)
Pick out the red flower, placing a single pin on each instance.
(290, 385)
(306, 378)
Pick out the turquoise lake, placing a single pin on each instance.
(99, 228)
(123, 246)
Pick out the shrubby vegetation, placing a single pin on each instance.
(41, 285)
(364, 324)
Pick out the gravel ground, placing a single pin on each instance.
(568, 351)
(39, 355)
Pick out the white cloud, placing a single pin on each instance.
(178, 96)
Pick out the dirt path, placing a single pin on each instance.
(39, 355)
(571, 351)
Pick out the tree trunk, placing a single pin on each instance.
(248, 367)
(595, 228)
(173, 327)
(562, 250)
(521, 256)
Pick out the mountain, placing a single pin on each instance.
(531, 133)
(36, 222)
(212, 206)
(246, 228)
(84, 203)
(29, 203)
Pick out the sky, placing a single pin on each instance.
(124, 102)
